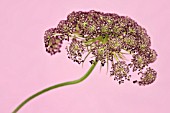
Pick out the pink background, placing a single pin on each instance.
(26, 68)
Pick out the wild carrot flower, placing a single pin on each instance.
(105, 36)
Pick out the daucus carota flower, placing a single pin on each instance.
(107, 37)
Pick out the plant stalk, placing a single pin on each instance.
(56, 86)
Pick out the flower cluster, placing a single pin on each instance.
(105, 36)
(120, 71)
(52, 41)
(147, 77)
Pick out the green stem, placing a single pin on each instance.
(56, 86)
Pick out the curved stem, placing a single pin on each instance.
(56, 86)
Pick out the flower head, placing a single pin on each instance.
(147, 77)
(52, 41)
(143, 59)
(120, 71)
(75, 51)
(105, 36)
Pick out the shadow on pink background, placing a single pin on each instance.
(26, 68)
